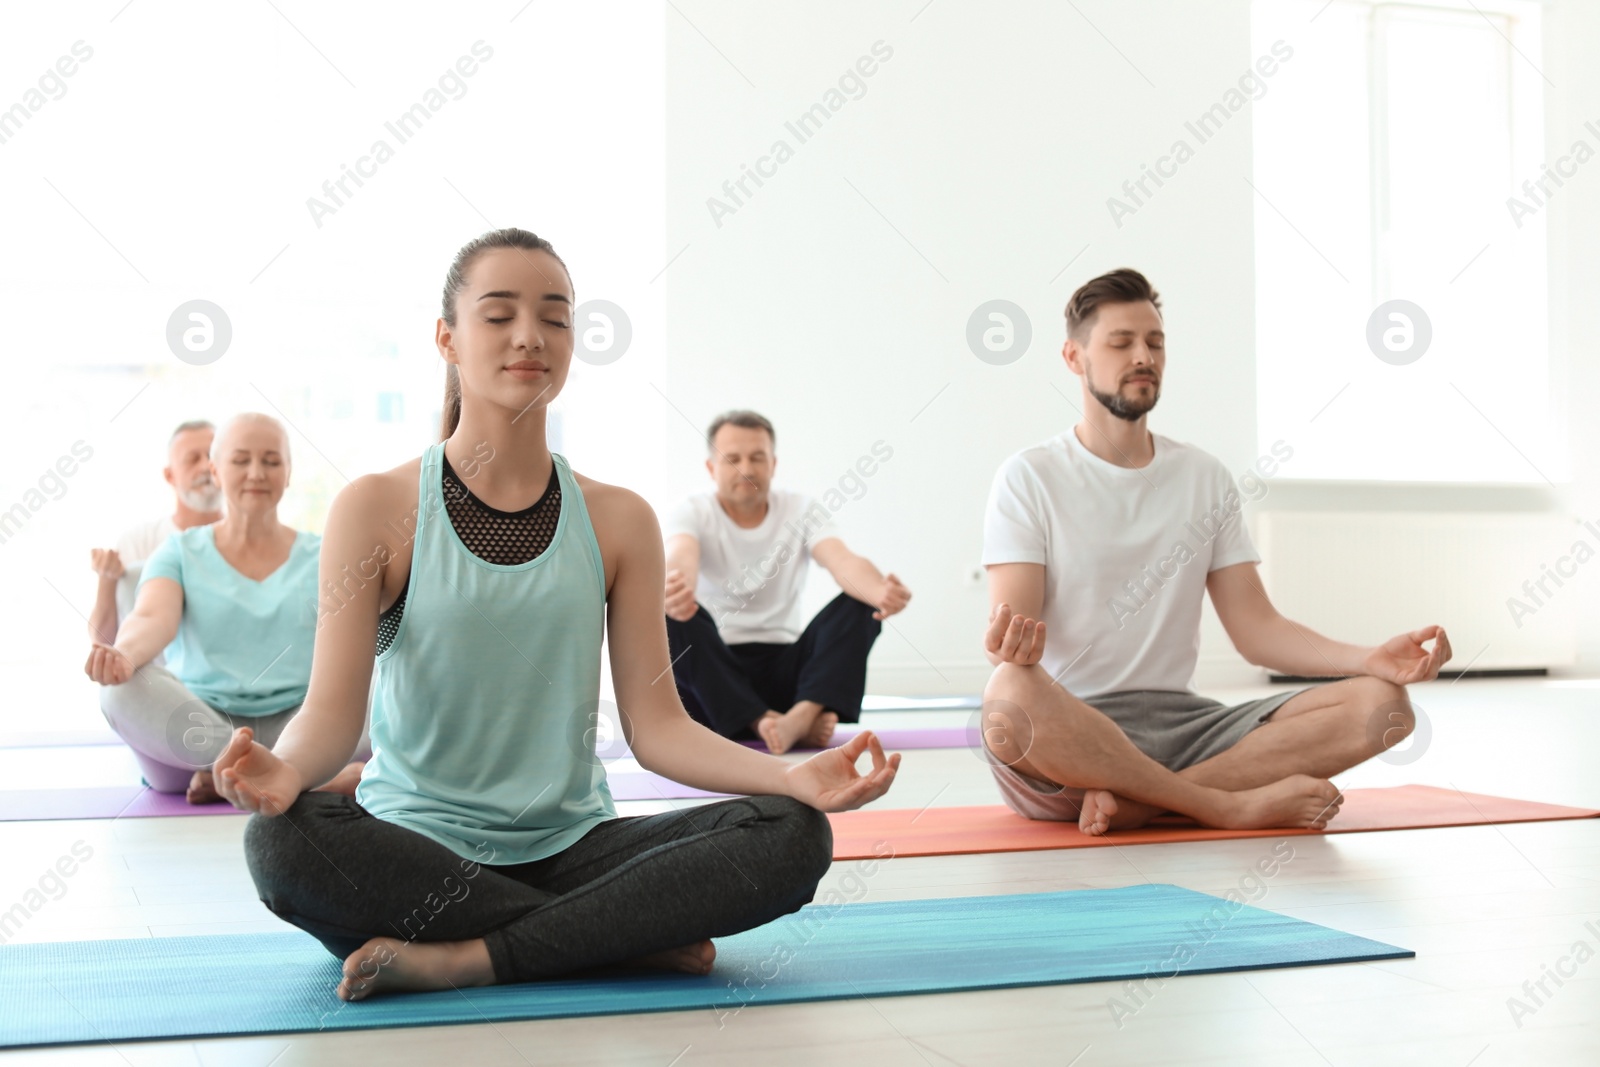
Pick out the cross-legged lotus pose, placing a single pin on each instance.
(482, 844)
(736, 566)
(233, 603)
(1106, 538)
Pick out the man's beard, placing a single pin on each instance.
(206, 497)
(1122, 408)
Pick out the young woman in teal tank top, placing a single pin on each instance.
(482, 844)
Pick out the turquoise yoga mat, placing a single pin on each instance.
(183, 987)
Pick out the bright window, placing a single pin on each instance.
(1387, 153)
(180, 160)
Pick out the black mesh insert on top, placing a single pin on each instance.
(495, 536)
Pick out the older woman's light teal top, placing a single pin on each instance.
(243, 646)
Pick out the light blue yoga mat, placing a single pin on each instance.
(182, 987)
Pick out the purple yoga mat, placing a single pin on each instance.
(135, 802)
(101, 802)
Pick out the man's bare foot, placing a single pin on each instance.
(781, 732)
(202, 789)
(821, 731)
(344, 782)
(690, 959)
(763, 727)
(1298, 801)
(387, 964)
(1102, 810)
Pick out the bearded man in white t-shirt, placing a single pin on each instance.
(736, 565)
(1100, 544)
(197, 501)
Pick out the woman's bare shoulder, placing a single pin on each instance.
(607, 501)
(380, 500)
(619, 516)
(401, 479)
(376, 520)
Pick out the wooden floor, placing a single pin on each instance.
(1485, 908)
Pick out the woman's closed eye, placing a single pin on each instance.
(552, 322)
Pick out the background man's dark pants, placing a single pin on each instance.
(728, 687)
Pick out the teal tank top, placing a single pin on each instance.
(484, 705)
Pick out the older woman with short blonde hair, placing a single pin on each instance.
(234, 604)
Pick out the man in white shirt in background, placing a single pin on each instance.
(197, 502)
(741, 551)
(1106, 538)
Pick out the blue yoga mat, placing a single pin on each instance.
(182, 987)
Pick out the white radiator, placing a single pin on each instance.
(1505, 586)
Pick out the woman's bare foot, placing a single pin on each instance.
(202, 789)
(781, 732)
(1101, 810)
(344, 782)
(821, 731)
(690, 959)
(1298, 801)
(387, 964)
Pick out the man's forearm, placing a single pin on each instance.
(686, 561)
(691, 573)
(1287, 647)
(858, 577)
(103, 616)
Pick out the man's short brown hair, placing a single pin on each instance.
(747, 419)
(1122, 286)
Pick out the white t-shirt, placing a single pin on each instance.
(1126, 553)
(750, 580)
(135, 546)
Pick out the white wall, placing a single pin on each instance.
(1572, 98)
(1572, 29)
(976, 165)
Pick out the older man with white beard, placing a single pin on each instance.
(197, 502)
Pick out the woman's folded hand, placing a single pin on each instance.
(252, 778)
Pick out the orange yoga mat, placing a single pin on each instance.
(996, 828)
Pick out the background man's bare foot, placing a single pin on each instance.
(821, 731)
(202, 789)
(1296, 801)
(387, 964)
(763, 727)
(1102, 810)
(781, 732)
(690, 959)
(344, 782)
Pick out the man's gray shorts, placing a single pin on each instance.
(1176, 729)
